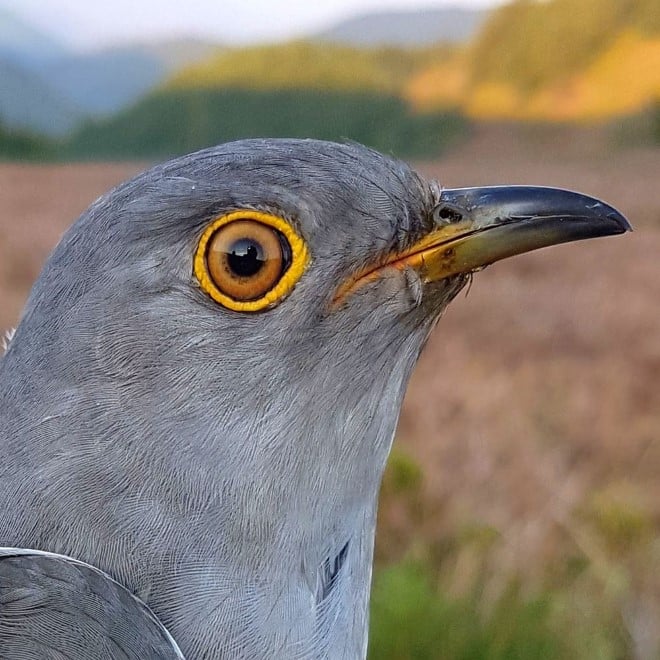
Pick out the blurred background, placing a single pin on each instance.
(520, 513)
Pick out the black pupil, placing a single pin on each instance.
(245, 257)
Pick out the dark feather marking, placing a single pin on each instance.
(330, 572)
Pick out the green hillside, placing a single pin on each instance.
(530, 44)
(178, 121)
(297, 89)
(19, 145)
(556, 60)
(306, 65)
(538, 60)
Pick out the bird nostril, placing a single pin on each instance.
(446, 214)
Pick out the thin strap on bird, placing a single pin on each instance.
(53, 606)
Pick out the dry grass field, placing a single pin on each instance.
(529, 444)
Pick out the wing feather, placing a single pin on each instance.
(53, 607)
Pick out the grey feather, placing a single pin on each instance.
(54, 607)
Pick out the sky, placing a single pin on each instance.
(89, 24)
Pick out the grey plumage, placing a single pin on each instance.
(51, 604)
(222, 466)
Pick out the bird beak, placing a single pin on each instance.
(478, 226)
(475, 227)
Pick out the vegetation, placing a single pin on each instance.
(175, 122)
(529, 44)
(305, 65)
(554, 60)
(558, 60)
(414, 618)
(535, 60)
(294, 90)
(550, 60)
(420, 610)
(19, 145)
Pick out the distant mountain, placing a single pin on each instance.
(407, 29)
(23, 44)
(47, 89)
(28, 103)
(176, 53)
(105, 81)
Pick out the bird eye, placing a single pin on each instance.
(248, 261)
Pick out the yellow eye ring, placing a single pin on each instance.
(251, 288)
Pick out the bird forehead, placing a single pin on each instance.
(256, 170)
(341, 197)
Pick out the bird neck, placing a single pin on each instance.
(258, 522)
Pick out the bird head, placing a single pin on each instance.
(233, 331)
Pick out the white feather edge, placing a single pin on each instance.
(7, 336)
(13, 552)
